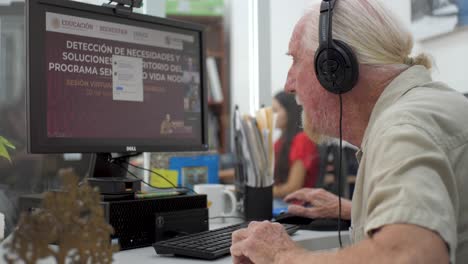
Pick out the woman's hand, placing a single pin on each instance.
(317, 203)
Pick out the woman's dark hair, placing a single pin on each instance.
(293, 126)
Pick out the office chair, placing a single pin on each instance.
(328, 154)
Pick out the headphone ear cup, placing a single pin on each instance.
(328, 67)
(336, 67)
(352, 65)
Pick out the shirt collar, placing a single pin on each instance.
(407, 80)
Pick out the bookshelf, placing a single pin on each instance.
(215, 38)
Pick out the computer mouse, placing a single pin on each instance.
(286, 218)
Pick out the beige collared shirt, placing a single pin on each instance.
(414, 162)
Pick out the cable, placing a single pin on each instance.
(141, 168)
(225, 217)
(126, 156)
(160, 175)
(340, 171)
(131, 173)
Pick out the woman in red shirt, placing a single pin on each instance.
(296, 156)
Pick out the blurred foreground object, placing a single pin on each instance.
(72, 220)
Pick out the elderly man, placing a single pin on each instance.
(410, 201)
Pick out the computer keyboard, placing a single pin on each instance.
(205, 245)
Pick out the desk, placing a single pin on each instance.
(311, 240)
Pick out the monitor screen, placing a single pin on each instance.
(101, 82)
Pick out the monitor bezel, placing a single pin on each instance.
(38, 142)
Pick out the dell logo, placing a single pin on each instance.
(131, 148)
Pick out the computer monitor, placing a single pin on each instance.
(103, 81)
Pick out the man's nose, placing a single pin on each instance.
(290, 86)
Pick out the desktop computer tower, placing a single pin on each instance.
(136, 222)
(141, 222)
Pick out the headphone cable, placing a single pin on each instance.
(340, 171)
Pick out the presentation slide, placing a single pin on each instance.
(108, 80)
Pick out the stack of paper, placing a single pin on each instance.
(264, 119)
(254, 148)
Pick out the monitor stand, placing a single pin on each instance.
(109, 174)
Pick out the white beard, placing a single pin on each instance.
(311, 131)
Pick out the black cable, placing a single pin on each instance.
(149, 184)
(225, 217)
(159, 175)
(126, 156)
(141, 168)
(146, 183)
(340, 171)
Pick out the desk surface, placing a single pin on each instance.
(312, 240)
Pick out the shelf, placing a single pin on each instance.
(215, 47)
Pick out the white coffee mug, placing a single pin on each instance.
(219, 199)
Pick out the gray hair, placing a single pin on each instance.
(372, 30)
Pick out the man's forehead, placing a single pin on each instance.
(295, 42)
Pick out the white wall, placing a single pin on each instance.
(450, 51)
(283, 17)
(239, 46)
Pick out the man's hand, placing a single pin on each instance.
(261, 242)
(322, 204)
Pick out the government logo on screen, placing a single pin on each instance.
(56, 23)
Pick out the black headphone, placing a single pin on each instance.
(336, 64)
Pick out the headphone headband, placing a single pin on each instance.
(326, 13)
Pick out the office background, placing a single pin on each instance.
(254, 39)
